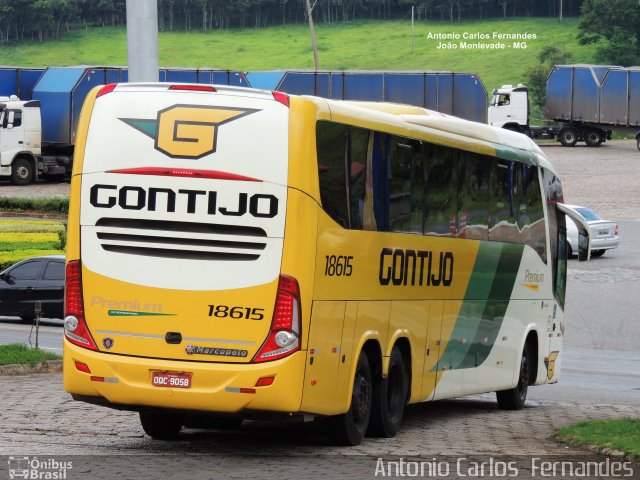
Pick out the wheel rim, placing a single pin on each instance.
(593, 137)
(569, 137)
(22, 172)
(361, 397)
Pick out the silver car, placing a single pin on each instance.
(604, 233)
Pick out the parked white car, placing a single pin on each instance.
(604, 233)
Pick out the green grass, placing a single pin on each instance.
(622, 434)
(21, 354)
(352, 45)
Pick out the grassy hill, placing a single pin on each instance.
(355, 45)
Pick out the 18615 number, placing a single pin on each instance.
(224, 311)
(338, 266)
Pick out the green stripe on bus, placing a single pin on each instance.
(479, 321)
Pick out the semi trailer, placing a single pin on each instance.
(584, 103)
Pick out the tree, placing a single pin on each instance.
(615, 26)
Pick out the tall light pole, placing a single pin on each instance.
(142, 40)
(313, 35)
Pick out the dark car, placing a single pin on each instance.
(30, 280)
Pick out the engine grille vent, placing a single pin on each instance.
(181, 240)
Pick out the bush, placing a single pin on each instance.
(20, 239)
(9, 258)
(44, 205)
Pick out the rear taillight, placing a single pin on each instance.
(616, 229)
(75, 326)
(284, 335)
(106, 89)
(283, 98)
(193, 88)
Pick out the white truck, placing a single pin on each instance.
(509, 109)
(23, 157)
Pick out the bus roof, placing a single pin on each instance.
(450, 130)
(428, 124)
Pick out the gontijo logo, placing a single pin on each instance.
(187, 131)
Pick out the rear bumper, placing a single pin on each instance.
(215, 386)
(605, 243)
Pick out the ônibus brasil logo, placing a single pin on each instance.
(187, 131)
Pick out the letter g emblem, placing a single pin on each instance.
(191, 131)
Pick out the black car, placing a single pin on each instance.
(38, 278)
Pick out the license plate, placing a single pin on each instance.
(603, 232)
(171, 379)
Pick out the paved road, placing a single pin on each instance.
(13, 330)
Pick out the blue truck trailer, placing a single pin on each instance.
(459, 94)
(587, 102)
(56, 94)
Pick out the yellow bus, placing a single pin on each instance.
(234, 253)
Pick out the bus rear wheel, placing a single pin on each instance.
(349, 428)
(390, 398)
(514, 398)
(161, 426)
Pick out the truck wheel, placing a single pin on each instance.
(349, 428)
(160, 426)
(593, 138)
(22, 172)
(514, 398)
(389, 398)
(568, 136)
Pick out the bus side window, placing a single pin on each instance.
(440, 192)
(332, 143)
(473, 196)
(531, 213)
(357, 170)
(504, 202)
(407, 190)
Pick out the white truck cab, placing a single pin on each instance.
(21, 143)
(509, 108)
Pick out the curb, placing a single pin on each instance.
(52, 366)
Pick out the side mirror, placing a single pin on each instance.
(584, 237)
(583, 245)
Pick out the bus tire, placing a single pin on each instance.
(514, 398)
(349, 428)
(161, 426)
(22, 171)
(568, 136)
(389, 398)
